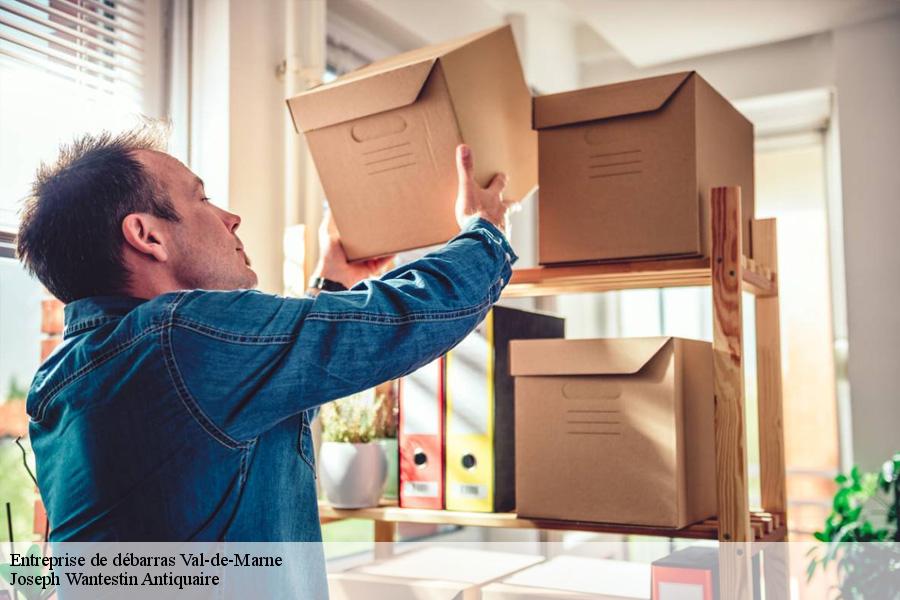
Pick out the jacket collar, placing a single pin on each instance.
(88, 313)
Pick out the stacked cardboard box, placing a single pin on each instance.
(615, 430)
(625, 169)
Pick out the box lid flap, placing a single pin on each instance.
(605, 101)
(359, 95)
(382, 85)
(617, 356)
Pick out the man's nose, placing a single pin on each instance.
(231, 220)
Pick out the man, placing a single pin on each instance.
(178, 406)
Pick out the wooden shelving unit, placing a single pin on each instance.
(766, 526)
(734, 266)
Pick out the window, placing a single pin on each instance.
(790, 172)
(66, 67)
(20, 353)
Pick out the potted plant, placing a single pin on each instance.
(861, 534)
(352, 465)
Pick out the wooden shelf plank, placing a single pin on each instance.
(765, 526)
(549, 281)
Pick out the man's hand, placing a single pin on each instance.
(474, 200)
(333, 262)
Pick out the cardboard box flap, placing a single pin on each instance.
(603, 102)
(355, 96)
(618, 356)
(382, 85)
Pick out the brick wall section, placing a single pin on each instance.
(13, 420)
(51, 335)
(51, 325)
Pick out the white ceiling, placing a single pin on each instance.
(651, 32)
(644, 32)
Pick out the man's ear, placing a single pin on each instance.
(144, 234)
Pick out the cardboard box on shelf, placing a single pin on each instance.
(615, 430)
(625, 169)
(383, 139)
(575, 578)
(427, 573)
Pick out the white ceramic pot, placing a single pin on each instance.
(353, 475)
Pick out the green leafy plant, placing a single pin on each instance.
(861, 532)
(15, 391)
(354, 419)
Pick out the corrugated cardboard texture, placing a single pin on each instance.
(724, 155)
(390, 178)
(601, 441)
(625, 169)
(614, 100)
(699, 415)
(383, 139)
(491, 109)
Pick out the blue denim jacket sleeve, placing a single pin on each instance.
(243, 361)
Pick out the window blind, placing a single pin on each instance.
(95, 43)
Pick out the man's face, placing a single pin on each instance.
(204, 250)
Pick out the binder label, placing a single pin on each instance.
(420, 489)
(470, 490)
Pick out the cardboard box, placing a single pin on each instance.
(384, 139)
(625, 169)
(575, 578)
(437, 573)
(615, 430)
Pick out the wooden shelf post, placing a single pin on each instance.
(728, 372)
(771, 412)
(385, 536)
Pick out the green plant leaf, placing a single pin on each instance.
(811, 570)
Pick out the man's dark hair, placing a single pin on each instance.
(70, 235)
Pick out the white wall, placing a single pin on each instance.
(256, 125)
(867, 78)
(799, 64)
(238, 122)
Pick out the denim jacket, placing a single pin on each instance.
(187, 417)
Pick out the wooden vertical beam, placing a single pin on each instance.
(385, 535)
(728, 368)
(773, 484)
(768, 365)
(728, 371)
